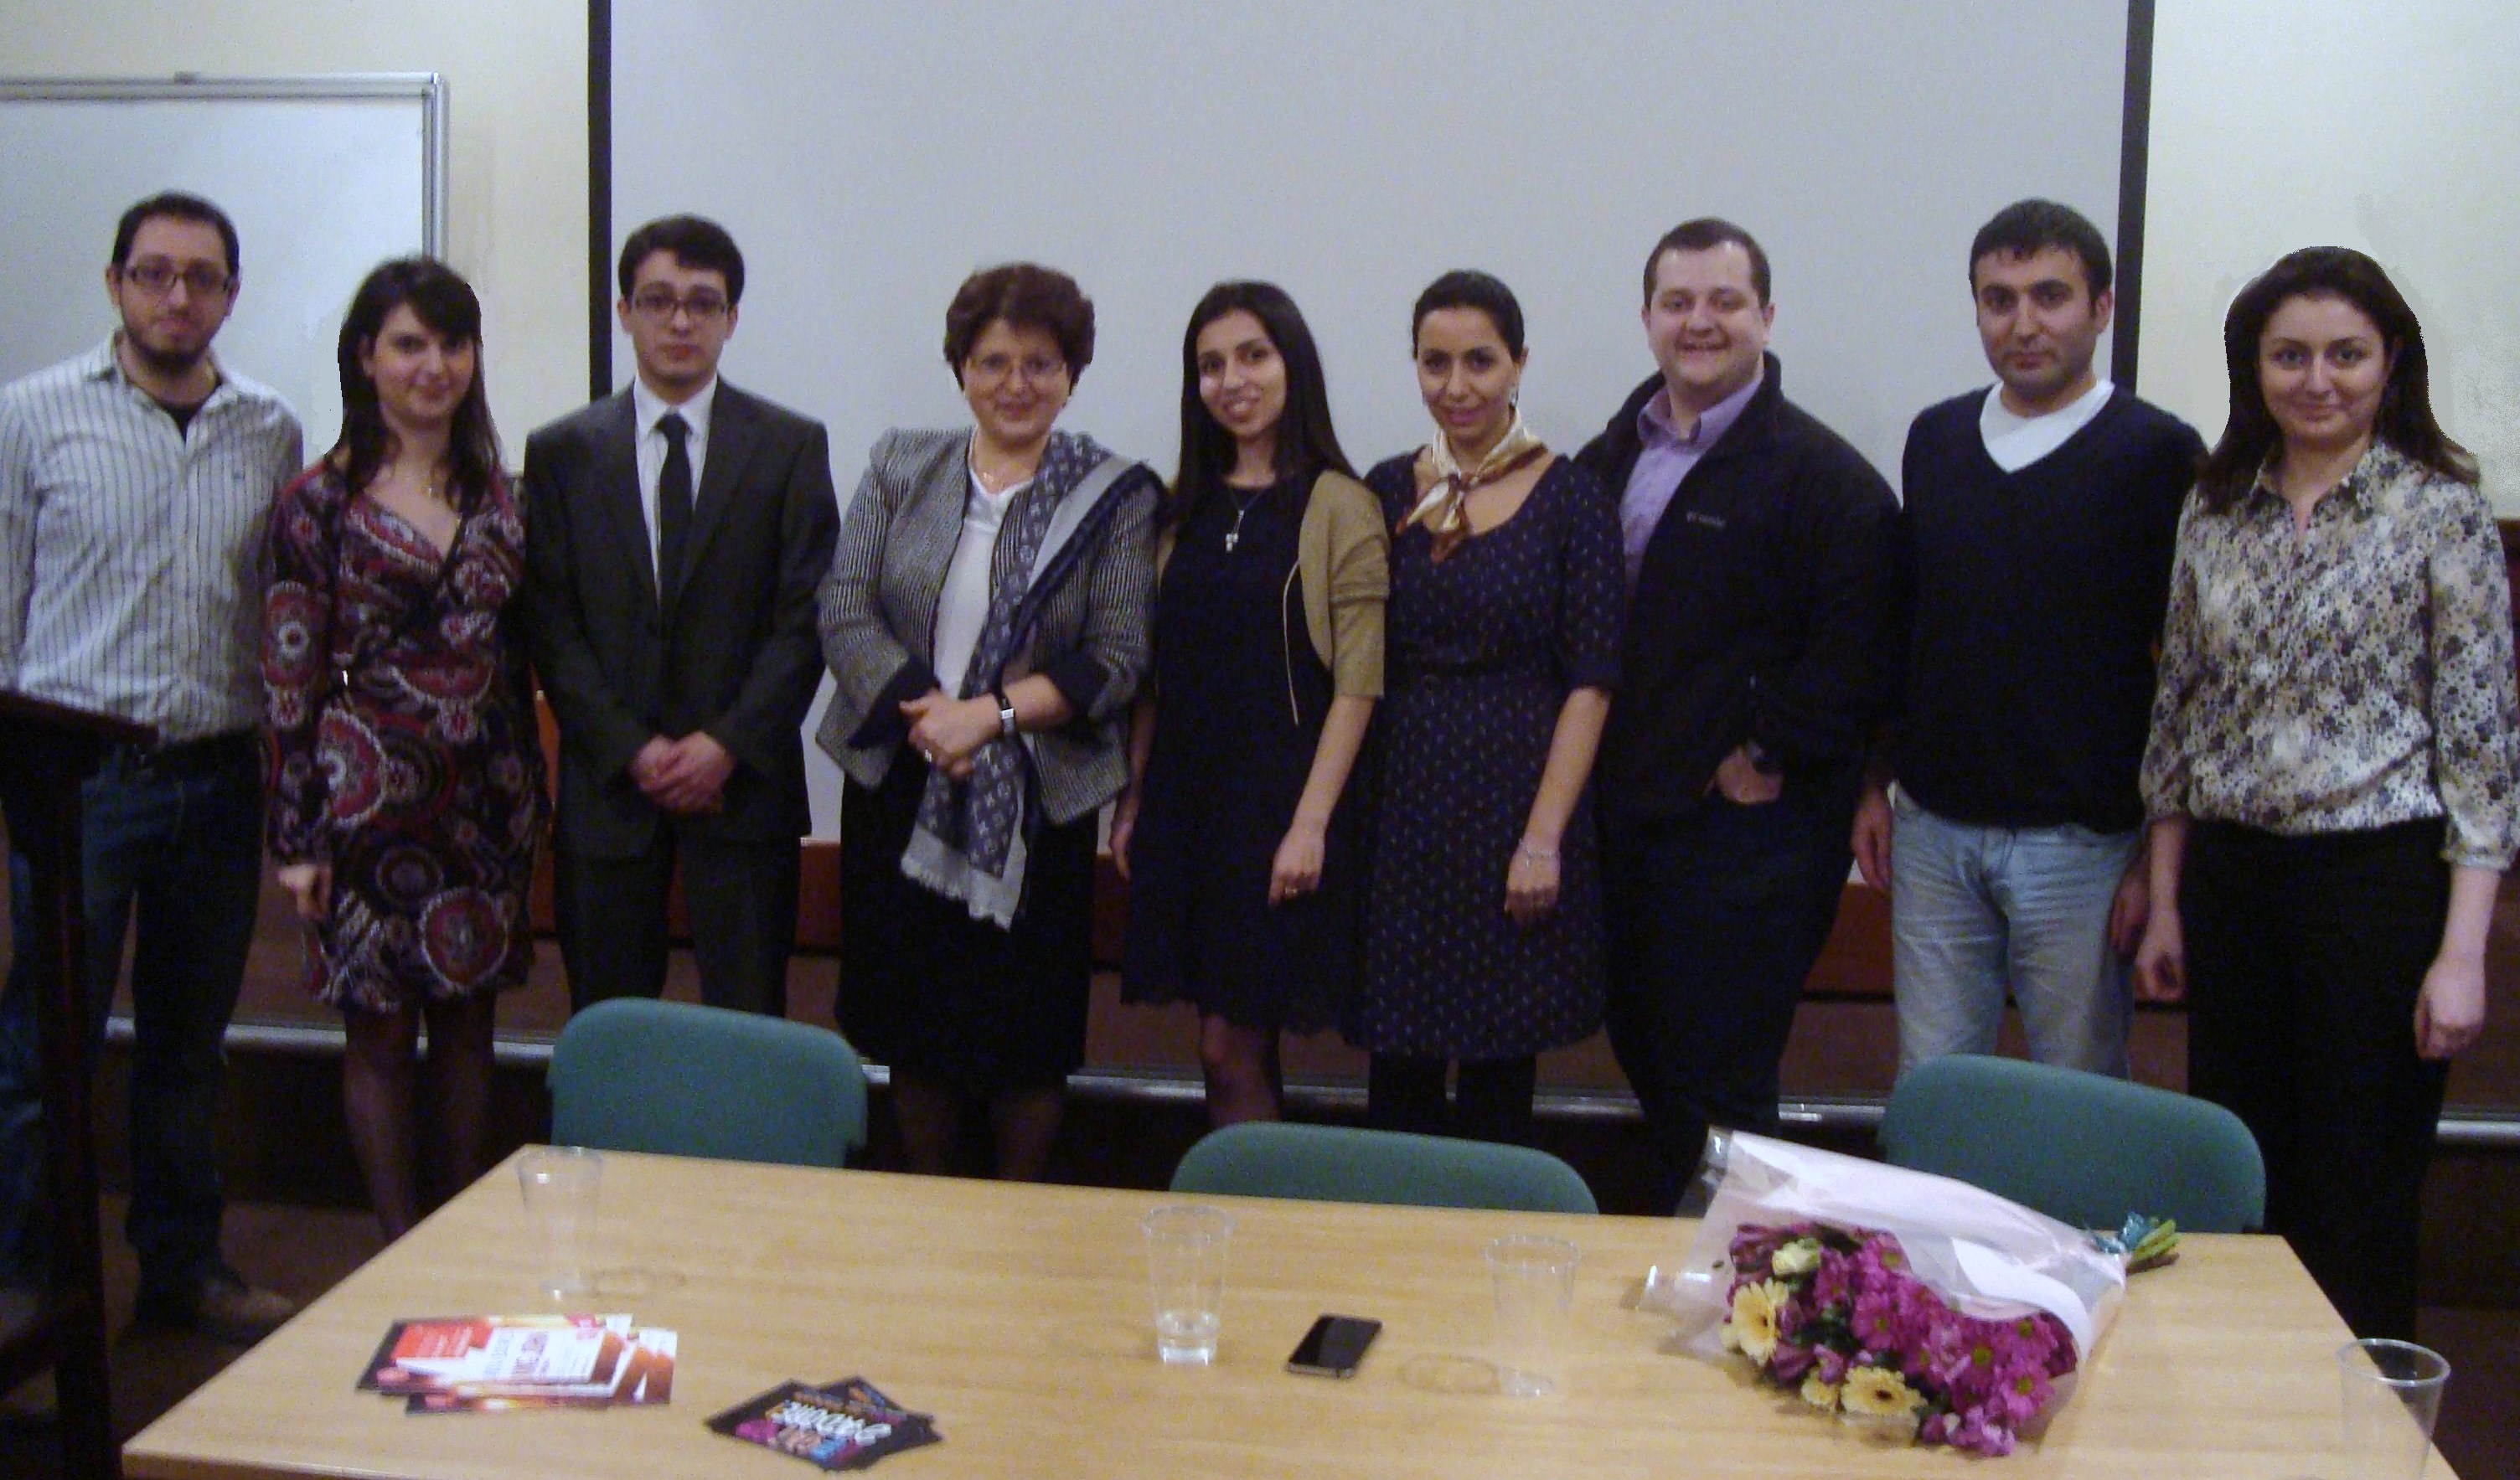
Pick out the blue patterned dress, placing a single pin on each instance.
(1479, 655)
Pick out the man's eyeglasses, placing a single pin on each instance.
(159, 278)
(658, 305)
(997, 368)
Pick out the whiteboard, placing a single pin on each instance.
(867, 155)
(325, 177)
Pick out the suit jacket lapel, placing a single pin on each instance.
(615, 484)
(923, 538)
(733, 434)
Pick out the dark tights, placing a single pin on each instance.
(1492, 1098)
(420, 1126)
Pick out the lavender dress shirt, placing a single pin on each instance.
(1664, 460)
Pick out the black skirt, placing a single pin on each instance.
(932, 992)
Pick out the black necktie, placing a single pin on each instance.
(673, 502)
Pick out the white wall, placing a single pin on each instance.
(2386, 125)
(515, 73)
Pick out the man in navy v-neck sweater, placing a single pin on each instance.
(2039, 521)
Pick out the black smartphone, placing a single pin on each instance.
(1333, 1346)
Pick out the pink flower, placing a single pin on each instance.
(1832, 1285)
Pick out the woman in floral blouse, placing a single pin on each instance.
(2332, 768)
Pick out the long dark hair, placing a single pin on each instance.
(2405, 415)
(1307, 446)
(443, 301)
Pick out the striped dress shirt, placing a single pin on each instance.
(130, 553)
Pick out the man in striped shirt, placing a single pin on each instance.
(135, 481)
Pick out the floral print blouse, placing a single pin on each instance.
(2345, 677)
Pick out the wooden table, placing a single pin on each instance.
(1019, 1316)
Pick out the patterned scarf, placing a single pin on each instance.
(969, 841)
(1441, 506)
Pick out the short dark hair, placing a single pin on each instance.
(1705, 234)
(440, 298)
(697, 241)
(1306, 443)
(1026, 296)
(182, 207)
(1463, 288)
(2028, 227)
(2405, 414)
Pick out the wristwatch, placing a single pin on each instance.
(1006, 714)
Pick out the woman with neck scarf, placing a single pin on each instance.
(1483, 924)
(985, 623)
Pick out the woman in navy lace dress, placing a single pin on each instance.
(1237, 832)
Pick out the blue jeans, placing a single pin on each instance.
(181, 842)
(1714, 921)
(1976, 910)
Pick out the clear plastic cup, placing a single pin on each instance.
(1534, 1291)
(563, 1186)
(1185, 1248)
(2393, 1392)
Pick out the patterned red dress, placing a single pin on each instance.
(402, 742)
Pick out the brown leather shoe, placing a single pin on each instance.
(222, 1307)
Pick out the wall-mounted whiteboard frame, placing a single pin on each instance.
(324, 175)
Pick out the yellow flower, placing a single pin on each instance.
(1819, 1395)
(1880, 1392)
(1800, 1257)
(1752, 1330)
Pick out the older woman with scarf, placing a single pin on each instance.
(1483, 912)
(985, 620)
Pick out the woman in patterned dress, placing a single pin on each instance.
(2334, 767)
(406, 773)
(1483, 911)
(1237, 832)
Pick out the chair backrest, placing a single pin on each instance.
(1269, 1158)
(2084, 1148)
(632, 1074)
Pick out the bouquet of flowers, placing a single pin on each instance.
(1838, 1314)
(1926, 1307)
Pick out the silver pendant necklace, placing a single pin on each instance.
(1242, 507)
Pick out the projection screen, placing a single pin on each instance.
(866, 156)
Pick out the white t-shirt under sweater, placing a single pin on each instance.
(2014, 442)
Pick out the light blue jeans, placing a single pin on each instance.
(1975, 911)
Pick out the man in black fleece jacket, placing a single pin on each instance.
(1758, 553)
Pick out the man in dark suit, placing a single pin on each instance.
(675, 536)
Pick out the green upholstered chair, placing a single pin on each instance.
(1269, 1158)
(2084, 1148)
(634, 1075)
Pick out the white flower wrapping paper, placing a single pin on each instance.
(1988, 1256)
